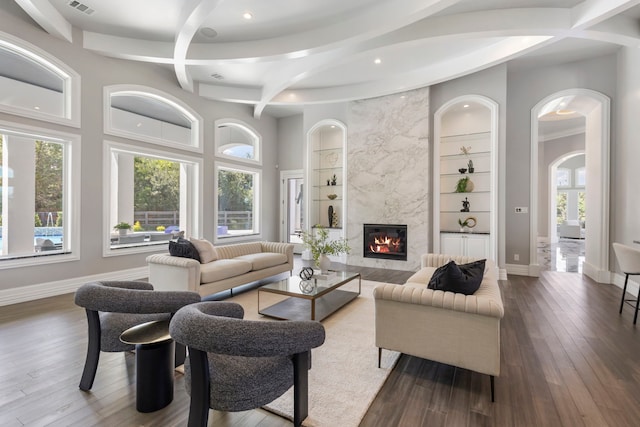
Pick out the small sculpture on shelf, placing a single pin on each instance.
(328, 182)
(465, 205)
(467, 224)
(330, 215)
(334, 179)
(462, 170)
(470, 165)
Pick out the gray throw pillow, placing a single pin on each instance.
(183, 248)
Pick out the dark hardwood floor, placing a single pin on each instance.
(568, 359)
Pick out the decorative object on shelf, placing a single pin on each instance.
(332, 196)
(330, 214)
(306, 273)
(122, 227)
(334, 179)
(319, 244)
(307, 286)
(467, 223)
(331, 159)
(465, 205)
(464, 185)
(462, 170)
(465, 150)
(470, 166)
(328, 182)
(334, 220)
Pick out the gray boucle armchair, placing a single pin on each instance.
(114, 306)
(237, 365)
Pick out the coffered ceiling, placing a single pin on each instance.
(296, 52)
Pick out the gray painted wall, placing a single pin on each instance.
(625, 152)
(96, 72)
(291, 142)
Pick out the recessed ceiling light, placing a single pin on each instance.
(403, 96)
(36, 108)
(247, 15)
(377, 61)
(139, 124)
(208, 32)
(564, 112)
(466, 106)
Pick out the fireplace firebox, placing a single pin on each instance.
(387, 241)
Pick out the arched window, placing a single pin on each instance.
(36, 85)
(146, 114)
(237, 141)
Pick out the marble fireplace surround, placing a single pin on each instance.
(388, 173)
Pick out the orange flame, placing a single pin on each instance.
(385, 244)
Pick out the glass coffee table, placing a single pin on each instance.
(313, 299)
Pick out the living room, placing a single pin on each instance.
(403, 127)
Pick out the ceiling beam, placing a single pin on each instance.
(591, 12)
(48, 18)
(195, 13)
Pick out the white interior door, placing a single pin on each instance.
(292, 194)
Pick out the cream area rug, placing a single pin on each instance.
(344, 378)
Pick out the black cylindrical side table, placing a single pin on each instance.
(155, 357)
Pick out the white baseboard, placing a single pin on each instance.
(60, 287)
(600, 276)
(518, 269)
(502, 274)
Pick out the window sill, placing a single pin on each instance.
(37, 259)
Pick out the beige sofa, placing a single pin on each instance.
(235, 265)
(456, 329)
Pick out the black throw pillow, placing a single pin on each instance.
(183, 248)
(464, 279)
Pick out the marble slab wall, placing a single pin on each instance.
(388, 173)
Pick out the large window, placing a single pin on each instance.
(582, 206)
(152, 198)
(581, 177)
(561, 207)
(39, 196)
(237, 201)
(563, 177)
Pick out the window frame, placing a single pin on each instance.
(191, 194)
(195, 142)
(257, 207)
(71, 83)
(71, 196)
(257, 160)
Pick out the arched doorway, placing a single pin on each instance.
(595, 108)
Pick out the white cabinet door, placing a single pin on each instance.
(451, 244)
(473, 245)
(477, 246)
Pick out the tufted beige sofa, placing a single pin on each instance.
(235, 265)
(456, 329)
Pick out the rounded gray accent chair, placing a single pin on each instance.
(237, 365)
(115, 306)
